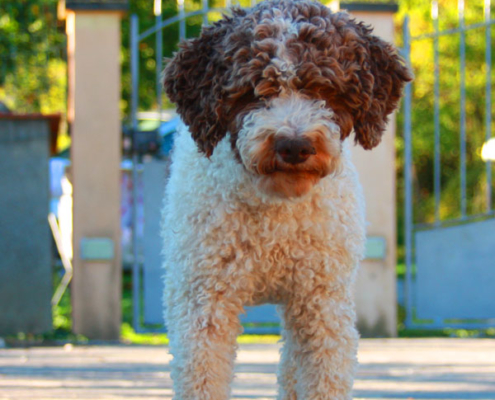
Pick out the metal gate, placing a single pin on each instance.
(450, 259)
(149, 177)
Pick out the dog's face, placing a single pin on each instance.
(288, 144)
(288, 81)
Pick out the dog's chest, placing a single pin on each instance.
(271, 235)
(218, 225)
(268, 246)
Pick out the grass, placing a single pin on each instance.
(447, 332)
(129, 336)
(403, 332)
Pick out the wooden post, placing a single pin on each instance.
(93, 30)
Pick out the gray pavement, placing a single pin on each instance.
(408, 369)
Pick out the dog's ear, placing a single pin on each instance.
(194, 81)
(382, 77)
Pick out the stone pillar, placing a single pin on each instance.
(376, 297)
(93, 33)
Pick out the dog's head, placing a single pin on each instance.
(288, 81)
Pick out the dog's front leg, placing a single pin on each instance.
(325, 343)
(203, 325)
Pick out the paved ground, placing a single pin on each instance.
(390, 369)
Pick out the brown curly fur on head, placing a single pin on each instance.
(241, 62)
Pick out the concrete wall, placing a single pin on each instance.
(376, 283)
(25, 240)
(94, 95)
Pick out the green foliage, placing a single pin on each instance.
(422, 58)
(148, 74)
(32, 57)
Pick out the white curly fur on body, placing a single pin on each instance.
(228, 246)
(263, 203)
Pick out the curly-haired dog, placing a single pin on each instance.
(263, 203)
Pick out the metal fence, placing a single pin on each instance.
(450, 273)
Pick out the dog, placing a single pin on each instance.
(263, 203)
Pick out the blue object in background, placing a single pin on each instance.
(166, 132)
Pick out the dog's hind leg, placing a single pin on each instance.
(204, 328)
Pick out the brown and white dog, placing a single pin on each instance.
(263, 203)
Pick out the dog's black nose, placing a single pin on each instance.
(294, 151)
